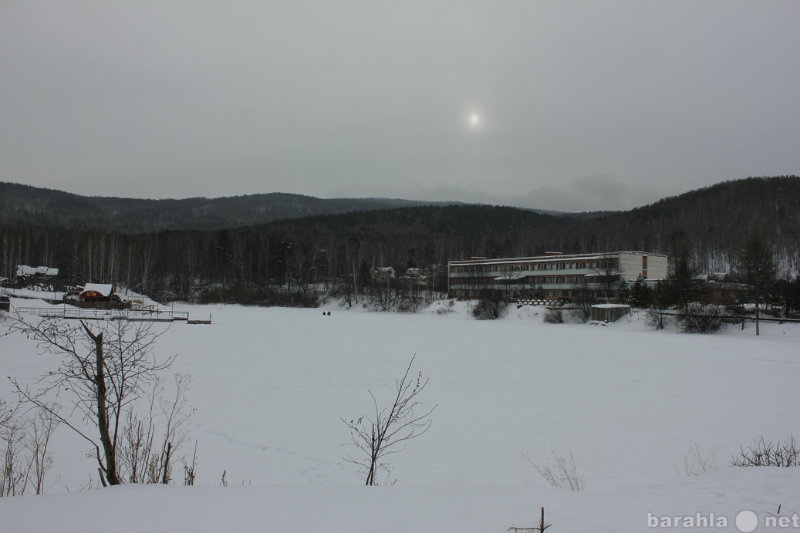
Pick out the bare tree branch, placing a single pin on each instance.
(387, 431)
(105, 367)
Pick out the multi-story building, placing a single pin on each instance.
(554, 275)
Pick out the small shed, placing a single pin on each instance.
(609, 312)
(96, 292)
(5, 304)
(42, 271)
(383, 273)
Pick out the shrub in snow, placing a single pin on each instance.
(553, 315)
(699, 318)
(24, 455)
(561, 471)
(655, 318)
(489, 308)
(698, 461)
(768, 453)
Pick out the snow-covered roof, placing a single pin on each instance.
(611, 306)
(100, 288)
(25, 270)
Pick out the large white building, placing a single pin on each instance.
(554, 275)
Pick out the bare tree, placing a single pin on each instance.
(24, 443)
(14, 471)
(105, 367)
(39, 431)
(147, 449)
(387, 430)
(13, 476)
(757, 264)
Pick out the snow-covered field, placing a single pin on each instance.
(271, 385)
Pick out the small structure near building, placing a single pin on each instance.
(609, 312)
(5, 304)
(96, 292)
(41, 271)
(383, 273)
(42, 278)
(98, 296)
(414, 273)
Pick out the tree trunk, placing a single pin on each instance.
(110, 468)
(757, 298)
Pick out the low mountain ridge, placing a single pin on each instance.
(24, 204)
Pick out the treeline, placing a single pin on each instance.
(262, 264)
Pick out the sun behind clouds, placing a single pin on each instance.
(474, 121)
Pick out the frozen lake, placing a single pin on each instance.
(271, 385)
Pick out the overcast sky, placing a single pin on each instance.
(566, 105)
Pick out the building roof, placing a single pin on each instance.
(100, 288)
(552, 258)
(25, 270)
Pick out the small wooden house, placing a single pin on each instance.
(96, 292)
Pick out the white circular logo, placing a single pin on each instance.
(746, 521)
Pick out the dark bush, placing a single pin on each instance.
(700, 318)
(764, 453)
(554, 315)
(489, 307)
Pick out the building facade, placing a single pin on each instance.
(554, 276)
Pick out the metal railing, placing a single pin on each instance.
(137, 314)
(732, 318)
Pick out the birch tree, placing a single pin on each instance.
(104, 368)
(388, 429)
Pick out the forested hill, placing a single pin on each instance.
(23, 204)
(707, 226)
